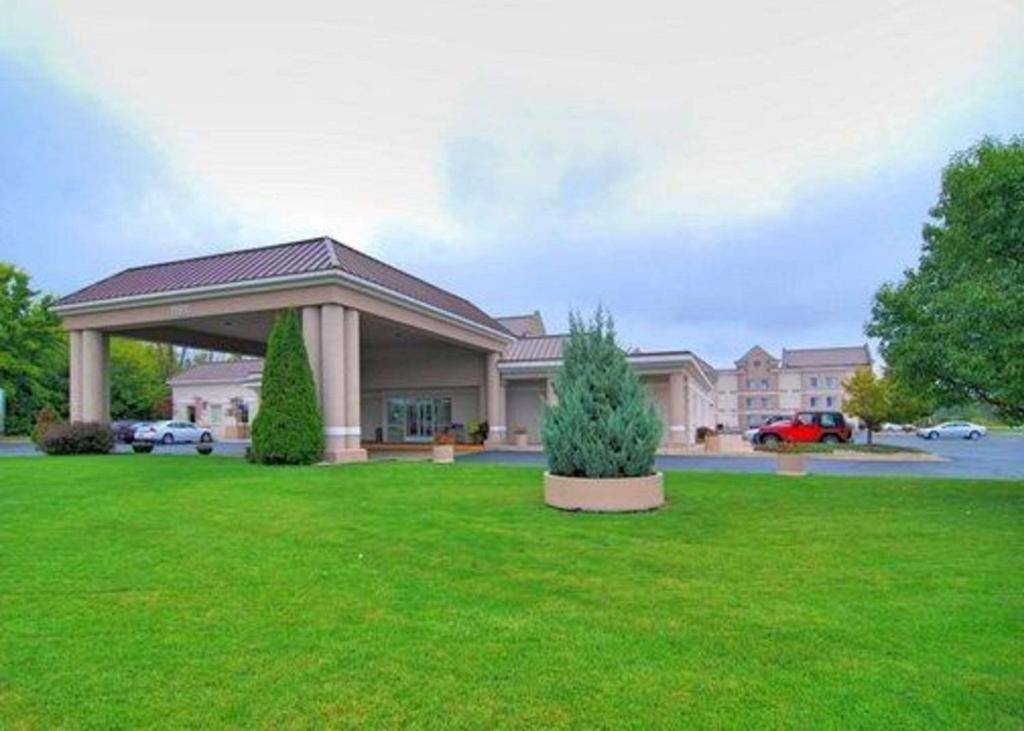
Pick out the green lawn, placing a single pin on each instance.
(199, 592)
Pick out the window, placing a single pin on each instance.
(805, 419)
(814, 381)
(215, 414)
(765, 402)
(750, 385)
(830, 401)
(764, 384)
(831, 421)
(750, 402)
(814, 402)
(757, 364)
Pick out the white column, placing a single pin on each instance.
(677, 416)
(311, 339)
(353, 409)
(75, 375)
(495, 402)
(95, 384)
(332, 383)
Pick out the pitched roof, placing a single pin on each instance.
(546, 347)
(853, 355)
(298, 257)
(227, 370)
(758, 351)
(524, 326)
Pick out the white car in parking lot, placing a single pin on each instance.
(172, 432)
(750, 433)
(958, 429)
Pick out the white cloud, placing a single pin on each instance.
(343, 117)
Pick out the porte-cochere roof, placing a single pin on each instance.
(280, 260)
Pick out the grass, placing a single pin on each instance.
(207, 592)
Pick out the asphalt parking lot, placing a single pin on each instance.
(995, 456)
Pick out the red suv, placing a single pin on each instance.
(807, 426)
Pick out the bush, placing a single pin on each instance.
(478, 433)
(46, 418)
(444, 437)
(703, 432)
(288, 428)
(603, 425)
(79, 437)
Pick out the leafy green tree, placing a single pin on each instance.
(288, 428)
(876, 400)
(138, 384)
(953, 328)
(33, 352)
(603, 424)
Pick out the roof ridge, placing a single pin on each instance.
(219, 254)
(332, 253)
(421, 280)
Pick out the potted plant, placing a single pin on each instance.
(444, 448)
(790, 462)
(142, 447)
(521, 435)
(204, 448)
(601, 436)
(478, 432)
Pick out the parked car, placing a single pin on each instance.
(124, 431)
(171, 432)
(829, 427)
(750, 434)
(959, 429)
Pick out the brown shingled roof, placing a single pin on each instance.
(548, 347)
(298, 257)
(843, 356)
(227, 370)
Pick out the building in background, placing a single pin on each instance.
(807, 378)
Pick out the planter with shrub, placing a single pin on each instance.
(204, 448)
(522, 437)
(789, 461)
(79, 437)
(142, 447)
(602, 435)
(444, 448)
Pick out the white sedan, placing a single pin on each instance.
(171, 432)
(751, 433)
(958, 429)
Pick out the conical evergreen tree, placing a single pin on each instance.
(604, 424)
(288, 428)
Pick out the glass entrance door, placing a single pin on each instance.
(417, 419)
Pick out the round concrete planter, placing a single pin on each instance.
(792, 465)
(522, 440)
(444, 453)
(604, 495)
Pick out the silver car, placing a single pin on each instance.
(172, 432)
(958, 429)
(750, 434)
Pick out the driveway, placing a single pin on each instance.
(995, 456)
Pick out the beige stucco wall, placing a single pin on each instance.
(524, 406)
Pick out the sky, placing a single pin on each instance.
(716, 174)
